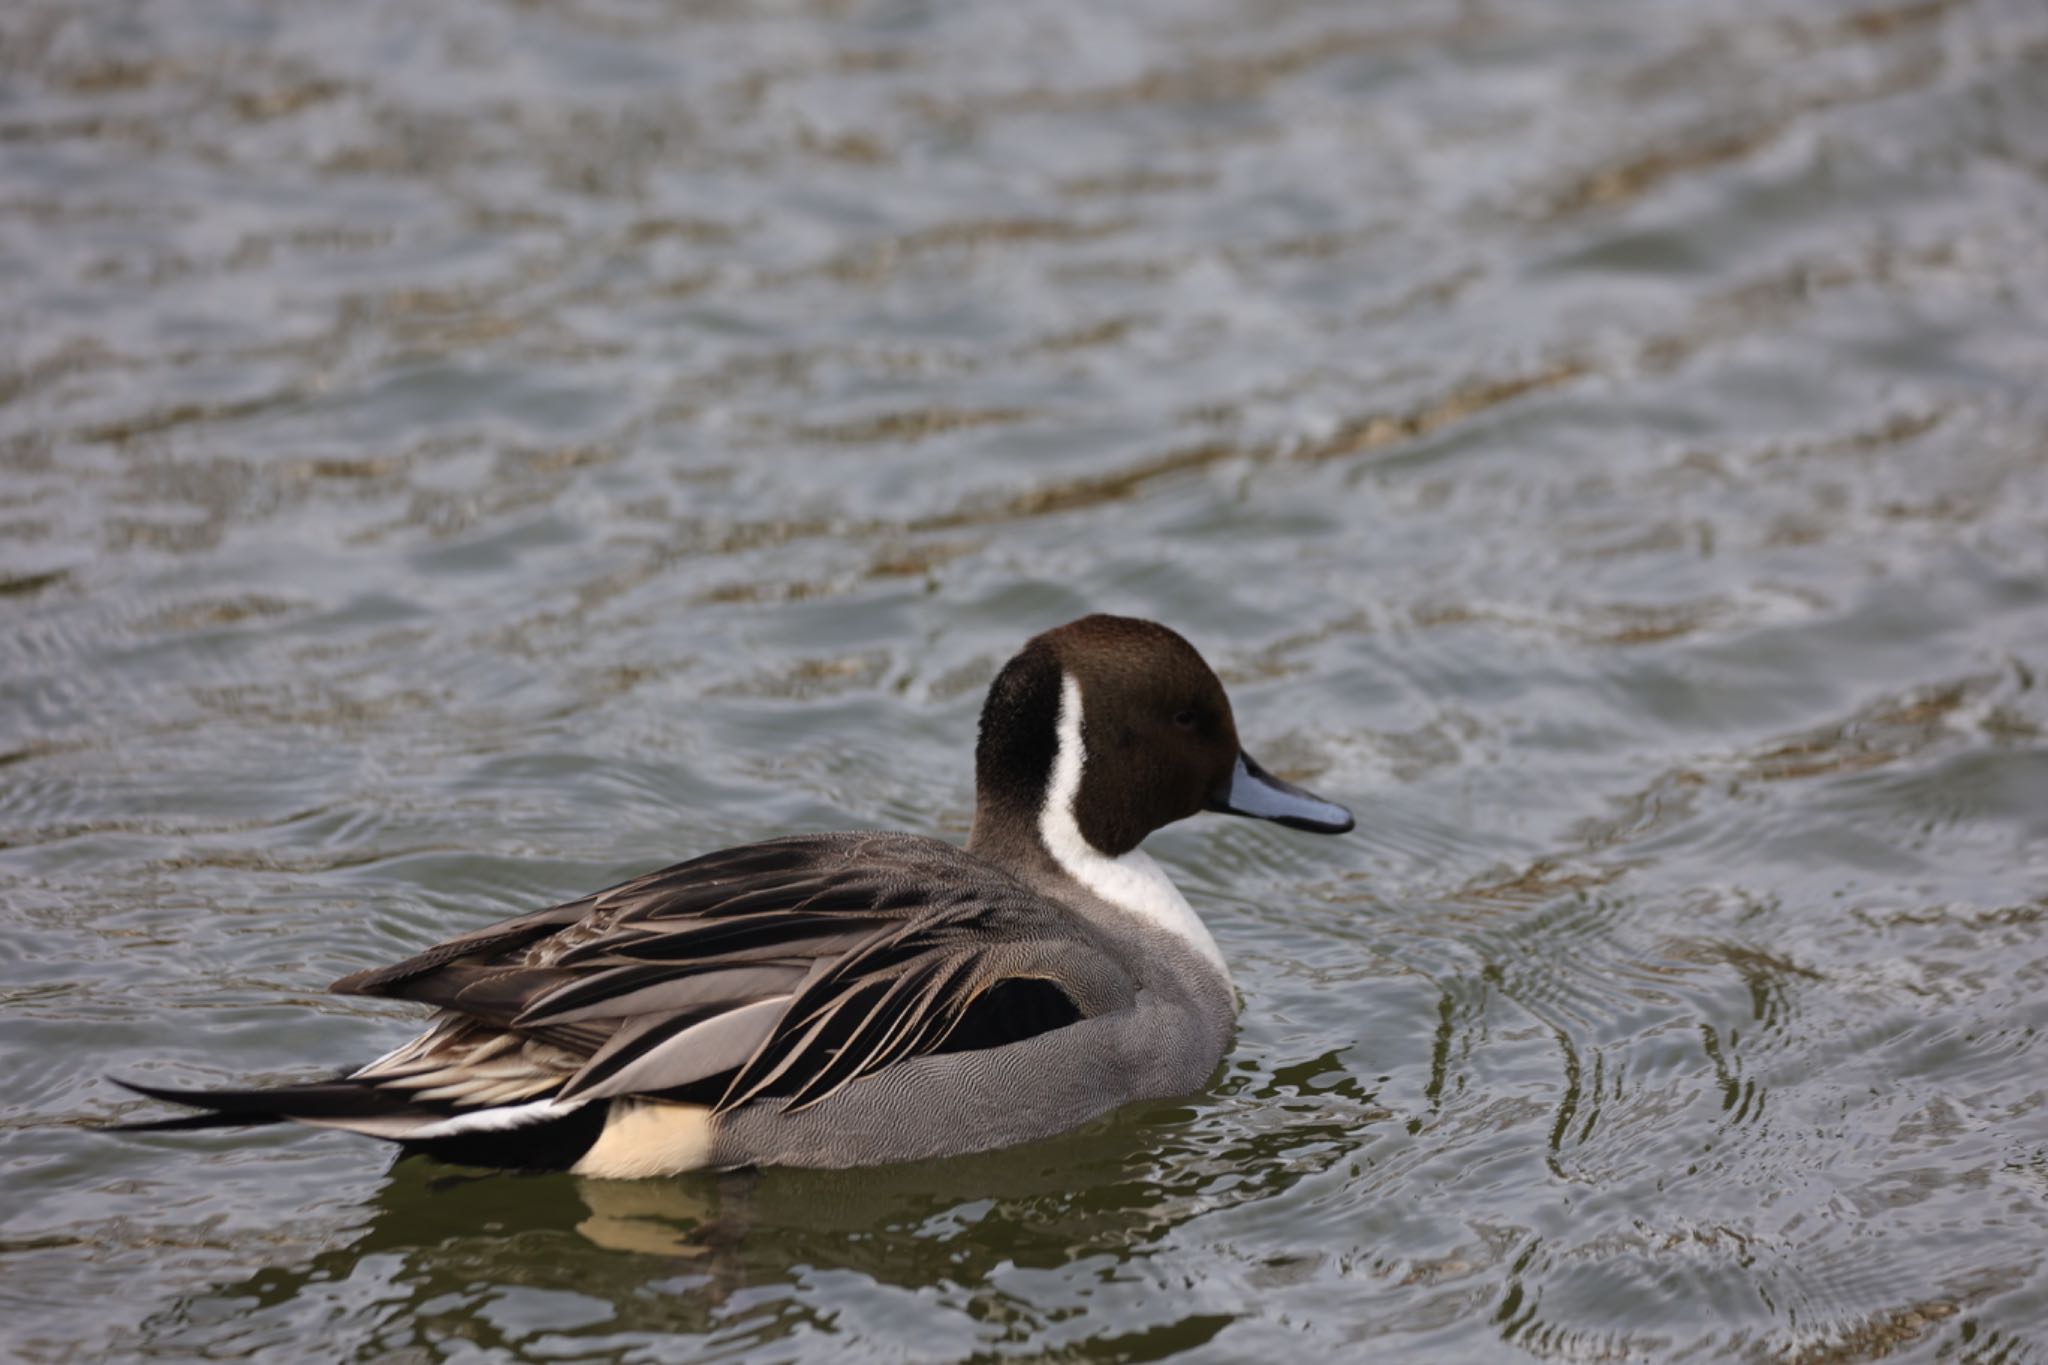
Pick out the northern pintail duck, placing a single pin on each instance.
(842, 999)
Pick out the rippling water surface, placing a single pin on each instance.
(452, 456)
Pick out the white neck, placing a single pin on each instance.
(1133, 882)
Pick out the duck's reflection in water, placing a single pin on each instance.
(449, 1255)
(690, 1219)
(526, 1264)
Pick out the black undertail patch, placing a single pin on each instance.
(551, 1145)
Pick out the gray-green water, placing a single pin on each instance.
(454, 455)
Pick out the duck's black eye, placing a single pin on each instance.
(1185, 719)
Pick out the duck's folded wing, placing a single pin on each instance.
(786, 969)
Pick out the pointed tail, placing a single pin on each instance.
(332, 1101)
(543, 1134)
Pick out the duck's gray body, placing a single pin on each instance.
(1156, 1023)
(843, 999)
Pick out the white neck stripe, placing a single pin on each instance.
(1133, 882)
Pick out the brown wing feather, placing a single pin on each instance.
(785, 969)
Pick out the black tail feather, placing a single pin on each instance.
(550, 1144)
(329, 1099)
(187, 1122)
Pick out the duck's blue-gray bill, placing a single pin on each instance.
(1255, 792)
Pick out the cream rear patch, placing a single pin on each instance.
(643, 1138)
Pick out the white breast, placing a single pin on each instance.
(1133, 882)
